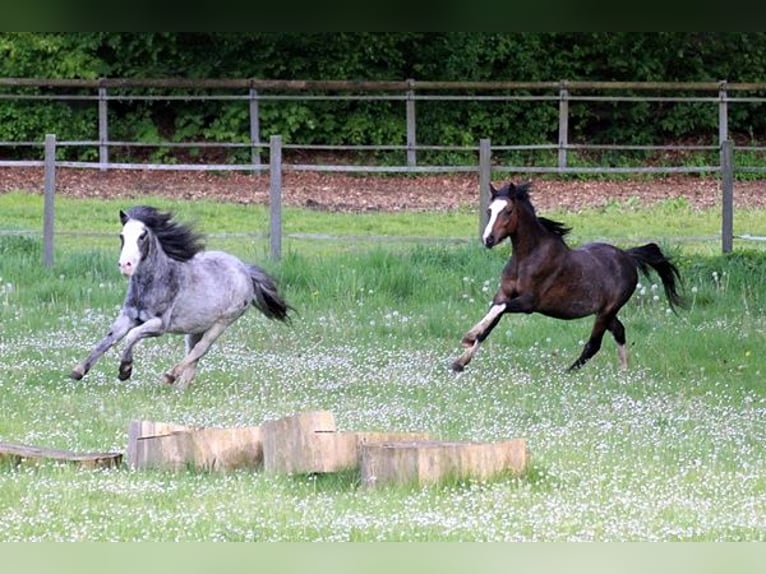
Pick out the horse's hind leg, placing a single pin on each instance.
(618, 332)
(594, 342)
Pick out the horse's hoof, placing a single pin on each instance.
(457, 367)
(126, 369)
(76, 374)
(168, 378)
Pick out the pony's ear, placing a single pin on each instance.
(492, 191)
(123, 217)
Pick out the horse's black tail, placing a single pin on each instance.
(650, 255)
(267, 298)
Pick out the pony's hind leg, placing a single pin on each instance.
(190, 341)
(184, 372)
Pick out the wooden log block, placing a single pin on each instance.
(174, 447)
(432, 462)
(140, 429)
(17, 454)
(341, 451)
(309, 443)
(291, 444)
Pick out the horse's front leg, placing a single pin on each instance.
(473, 338)
(197, 345)
(152, 328)
(117, 331)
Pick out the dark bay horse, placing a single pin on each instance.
(175, 286)
(545, 276)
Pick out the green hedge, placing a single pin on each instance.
(666, 56)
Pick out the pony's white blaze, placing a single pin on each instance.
(130, 256)
(495, 208)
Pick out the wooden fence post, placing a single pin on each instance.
(727, 200)
(563, 125)
(49, 188)
(103, 129)
(255, 129)
(723, 114)
(485, 174)
(275, 197)
(412, 158)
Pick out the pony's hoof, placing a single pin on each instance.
(76, 374)
(169, 378)
(457, 367)
(126, 369)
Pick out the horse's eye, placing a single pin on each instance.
(142, 237)
(122, 240)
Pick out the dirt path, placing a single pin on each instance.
(343, 192)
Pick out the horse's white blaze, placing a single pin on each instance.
(130, 256)
(497, 206)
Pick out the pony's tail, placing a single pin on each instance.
(267, 298)
(650, 255)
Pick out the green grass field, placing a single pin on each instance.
(674, 449)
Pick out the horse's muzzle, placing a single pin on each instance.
(489, 241)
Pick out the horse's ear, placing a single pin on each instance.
(492, 191)
(123, 217)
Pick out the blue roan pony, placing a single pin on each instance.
(175, 286)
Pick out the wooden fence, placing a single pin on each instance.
(276, 167)
(562, 93)
(102, 92)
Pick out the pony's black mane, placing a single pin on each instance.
(179, 241)
(521, 193)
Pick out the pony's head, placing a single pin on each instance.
(145, 228)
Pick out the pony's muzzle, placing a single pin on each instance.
(489, 241)
(127, 268)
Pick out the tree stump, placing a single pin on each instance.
(18, 454)
(174, 447)
(432, 462)
(309, 443)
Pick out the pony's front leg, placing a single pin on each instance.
(152, 328)
(197, 345)
(117, 331)
(477, 334)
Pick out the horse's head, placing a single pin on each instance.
(503, 212)
(134, 238)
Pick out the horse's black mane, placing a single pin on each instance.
(554, 226)
(521, 193)
(179, 241)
